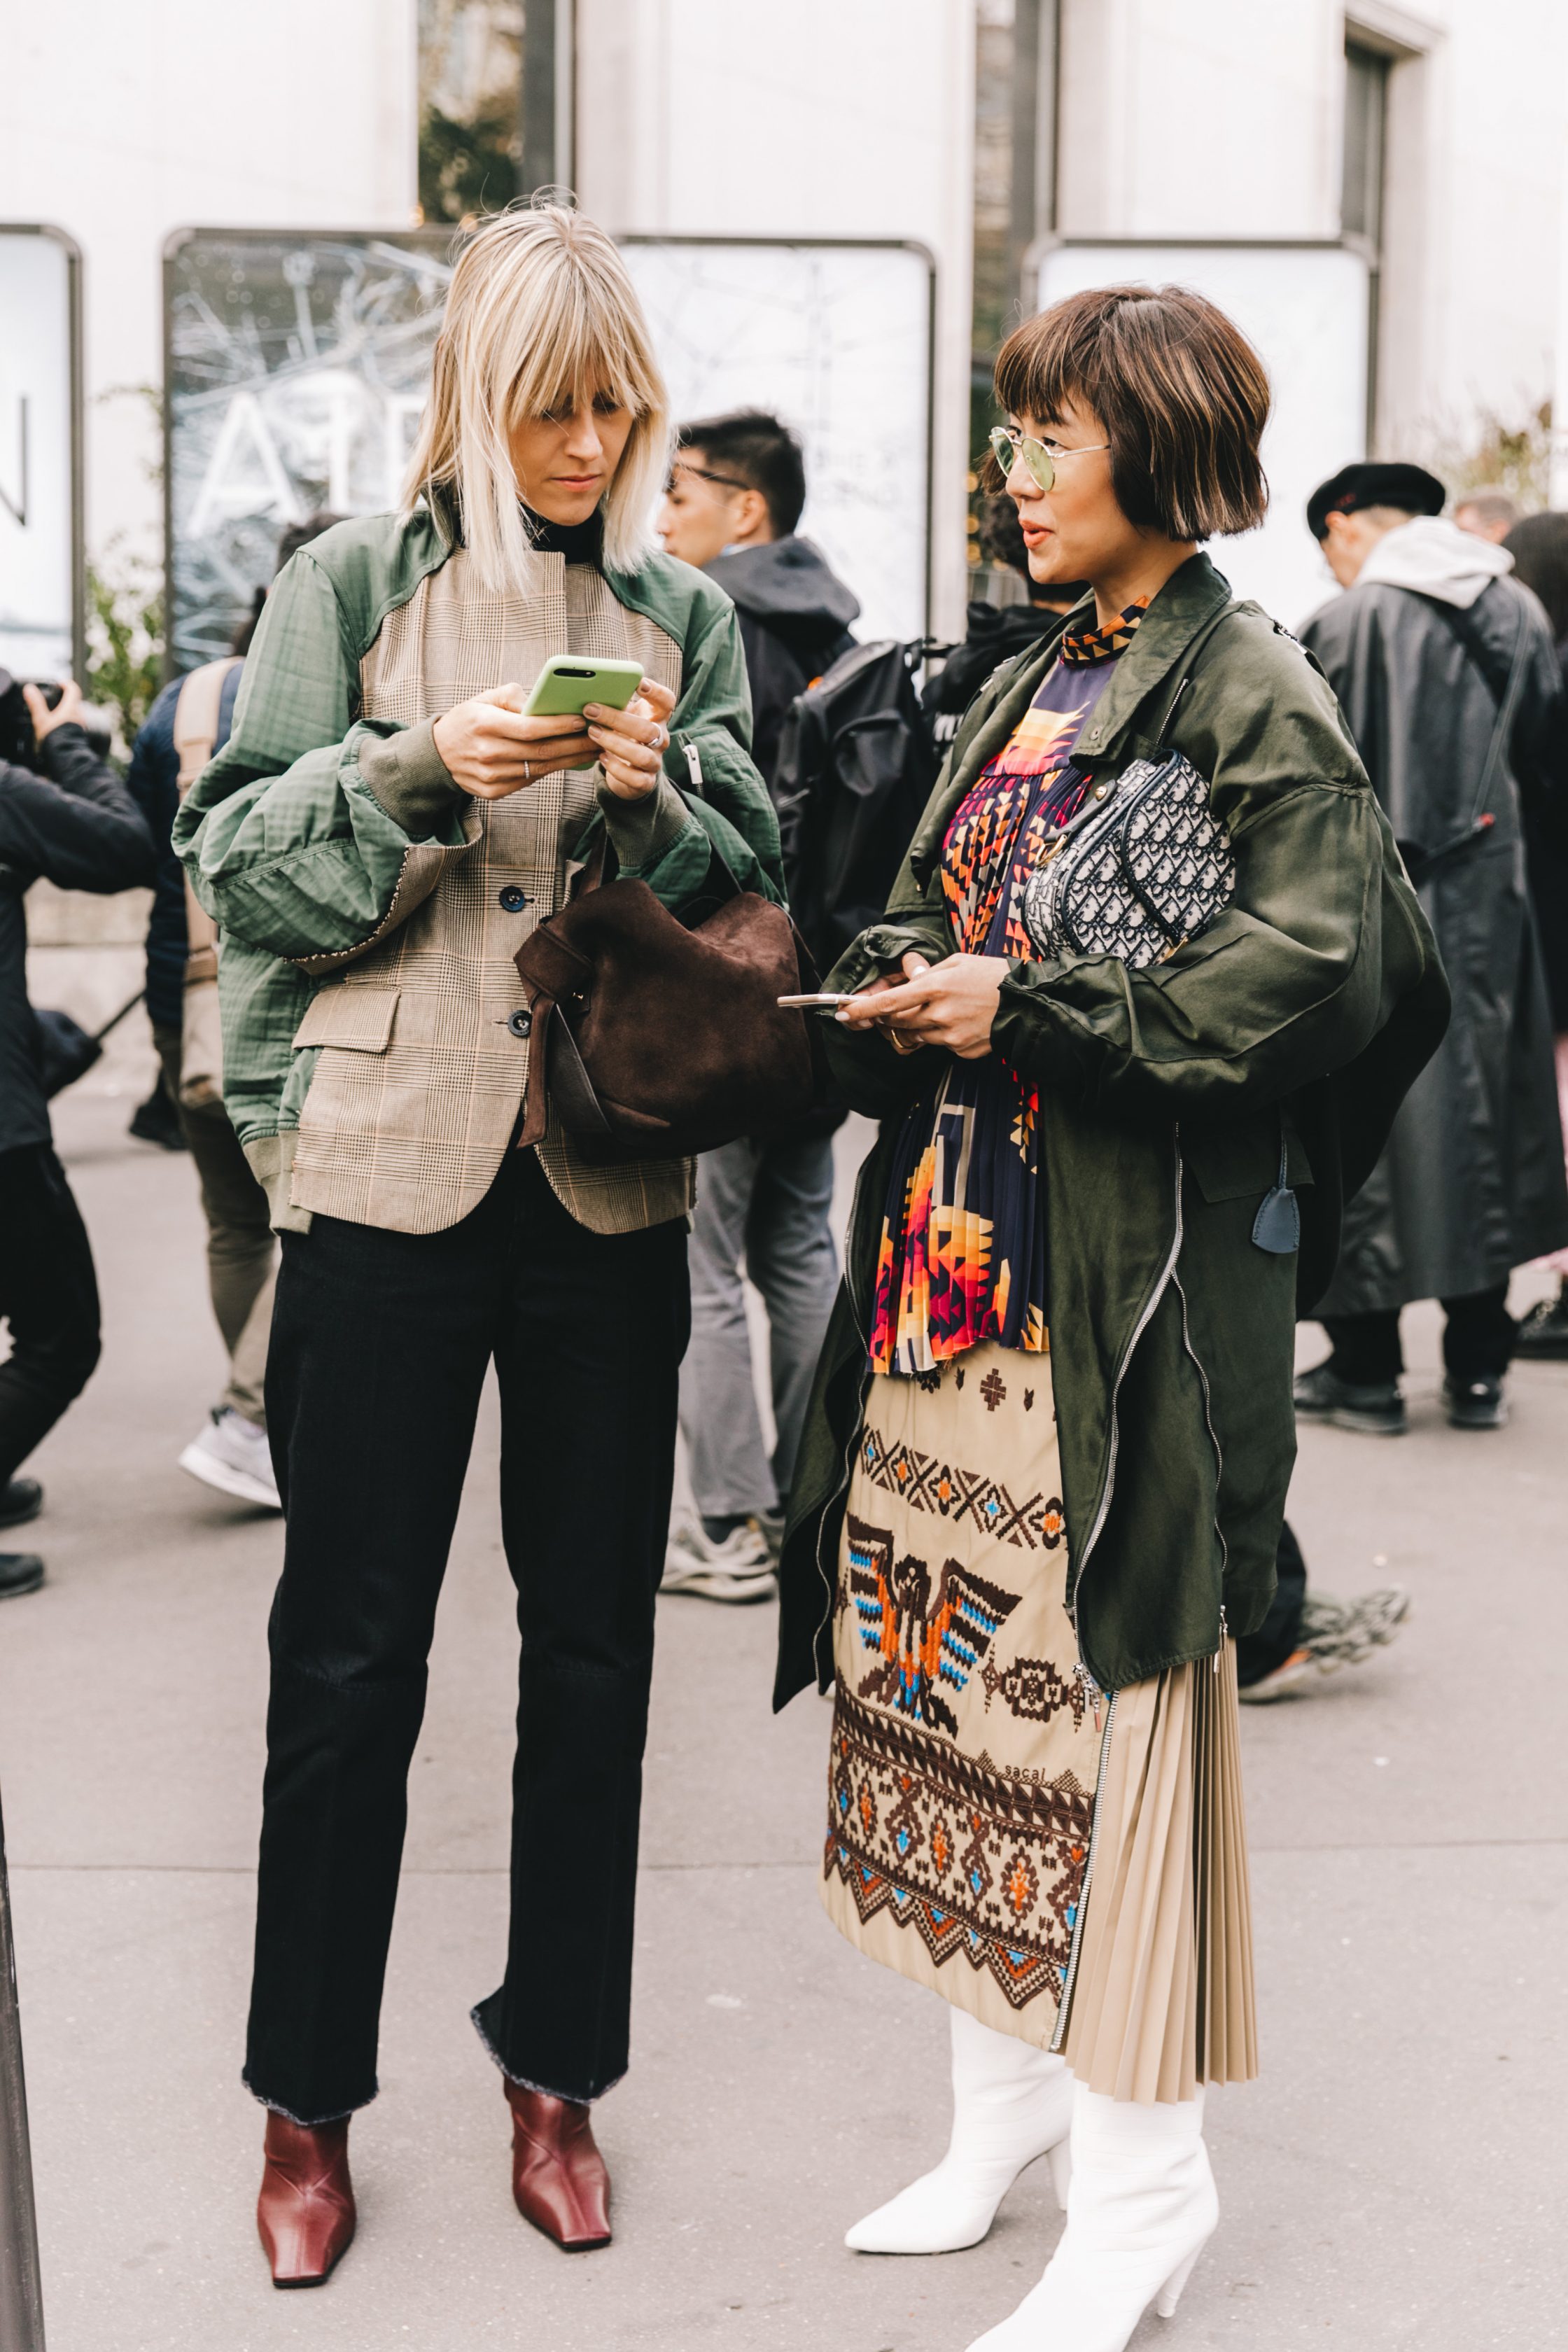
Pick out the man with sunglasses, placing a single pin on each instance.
(735, 494)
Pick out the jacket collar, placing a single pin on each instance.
(1187, 604)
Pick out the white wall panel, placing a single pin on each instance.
(121, 123)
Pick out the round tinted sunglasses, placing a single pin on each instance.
(1008, 447)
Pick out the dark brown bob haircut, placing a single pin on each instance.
(1181, 394)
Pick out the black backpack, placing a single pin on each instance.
(857, 763)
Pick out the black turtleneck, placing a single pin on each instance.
(579, 542)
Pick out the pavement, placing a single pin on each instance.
(1397, 2177)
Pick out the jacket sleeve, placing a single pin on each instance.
(76, 825)
(313, 834)
(1323, 936)
(153, 780)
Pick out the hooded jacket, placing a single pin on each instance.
(1420, 652)
(794, 615)
(1294, 1023)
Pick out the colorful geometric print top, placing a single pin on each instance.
(962, 1256)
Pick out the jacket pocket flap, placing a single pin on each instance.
(359, 1018)
(1238, 1162)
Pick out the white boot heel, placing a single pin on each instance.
(1170, 2294)
(1011, 2103)
(1139, 2211)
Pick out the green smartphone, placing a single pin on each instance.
(569, 682)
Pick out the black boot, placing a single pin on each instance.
(20, 1571)
(20, 1500)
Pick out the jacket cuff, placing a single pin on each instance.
(407, 777)
(271, 1159)
(642, 831)
(1026, 1037)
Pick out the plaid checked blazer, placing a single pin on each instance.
(369, 911)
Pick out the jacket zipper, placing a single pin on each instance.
(1144, 1318)
(1214, 1441)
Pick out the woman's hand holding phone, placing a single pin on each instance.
(491, 749)
(632, 742)
(951, 1003)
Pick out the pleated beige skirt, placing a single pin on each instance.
(1162, 1998)
(1068, 1869)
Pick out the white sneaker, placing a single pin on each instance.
(740, 1569)
(232, 1455)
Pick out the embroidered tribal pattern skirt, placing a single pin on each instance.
(973, 1770)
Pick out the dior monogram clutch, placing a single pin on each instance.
(1135, 876)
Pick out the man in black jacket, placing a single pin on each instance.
(70, 819)
(1447, 678)
(736, 491)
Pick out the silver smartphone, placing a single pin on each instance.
(820, 1003)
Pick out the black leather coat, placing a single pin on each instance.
(1471, 1183)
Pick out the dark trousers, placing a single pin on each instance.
(48, 1296)
(379, 1350)
(1478, 1341)
(1259, 1654)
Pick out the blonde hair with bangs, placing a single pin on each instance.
(540, 314)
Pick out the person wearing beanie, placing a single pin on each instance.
(1447, 673)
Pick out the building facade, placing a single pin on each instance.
(1433, 139)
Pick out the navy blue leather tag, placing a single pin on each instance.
(1278, 1224)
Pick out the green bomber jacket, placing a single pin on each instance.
(366, 968)
(1297, 1022)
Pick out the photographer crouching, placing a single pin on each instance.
(65, 815)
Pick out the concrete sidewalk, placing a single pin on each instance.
(1398, 2177)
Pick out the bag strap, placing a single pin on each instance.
(1189, 662)
(198, 709)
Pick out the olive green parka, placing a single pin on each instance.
(1296, 1021)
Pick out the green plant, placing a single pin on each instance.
(125, 637)
(1499, 455)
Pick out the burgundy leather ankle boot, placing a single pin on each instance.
(558, 2175)
(305, 2212)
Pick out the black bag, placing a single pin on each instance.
(855, 767)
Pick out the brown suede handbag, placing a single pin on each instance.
(659, 1037)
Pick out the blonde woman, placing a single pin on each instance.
(383, 830)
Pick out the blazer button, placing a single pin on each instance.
(520, 1023)
(513, 899)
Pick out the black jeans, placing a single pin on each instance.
(48, 1296)
(1478, 1341)
(379, 1350)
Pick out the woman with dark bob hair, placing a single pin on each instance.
(1043, 1479)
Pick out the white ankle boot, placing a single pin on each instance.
(1011, 2103)
(1140, 2209)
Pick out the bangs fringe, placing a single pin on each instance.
(541, 310)
(1181, 394)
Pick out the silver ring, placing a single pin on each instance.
(527, 774)
(661, 741)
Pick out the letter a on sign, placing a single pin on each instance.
(230, 486)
